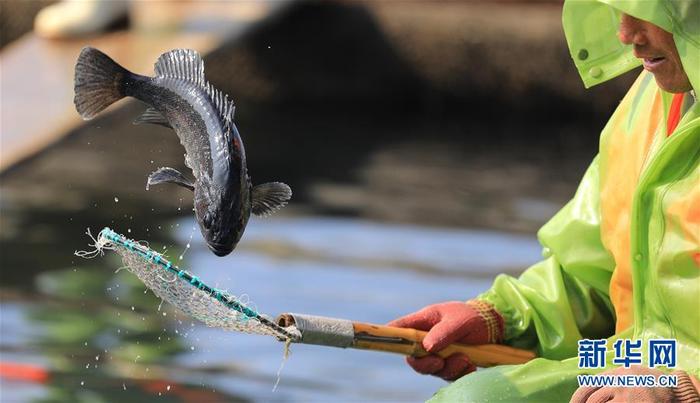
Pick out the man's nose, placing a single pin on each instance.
(631, 31)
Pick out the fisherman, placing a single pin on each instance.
(622, 258)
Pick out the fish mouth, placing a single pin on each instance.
(219, 249)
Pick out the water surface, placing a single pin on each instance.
(103, 337)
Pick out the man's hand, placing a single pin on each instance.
(685, 392)
(473, 322)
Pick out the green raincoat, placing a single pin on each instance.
(622, 258)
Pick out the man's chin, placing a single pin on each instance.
(672, 86)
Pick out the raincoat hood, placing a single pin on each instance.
(591, 32)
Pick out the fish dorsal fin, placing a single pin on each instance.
(269, 197)
(187, 64)
(225, 106)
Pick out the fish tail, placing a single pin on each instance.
(99, 82)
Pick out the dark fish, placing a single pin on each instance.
(180, 97)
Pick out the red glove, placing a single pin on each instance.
(473, 322)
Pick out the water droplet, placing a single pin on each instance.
(132, 307)
(167, 387)
(116, 199)
(192, 348)
(82, 383)
(128, 230)
(97, 357)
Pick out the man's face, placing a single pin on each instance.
(658, 52)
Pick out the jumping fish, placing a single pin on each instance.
(179, 97)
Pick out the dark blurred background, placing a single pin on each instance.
(462, 116)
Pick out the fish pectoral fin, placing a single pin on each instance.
(152, 116)
(270, 197)
(168, 175)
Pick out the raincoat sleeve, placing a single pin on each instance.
(563, 298)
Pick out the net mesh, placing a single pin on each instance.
(185, 291)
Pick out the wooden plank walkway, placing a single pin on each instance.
(36, 75)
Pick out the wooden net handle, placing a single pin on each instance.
(485, 355)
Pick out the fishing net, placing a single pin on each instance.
(185, 291)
